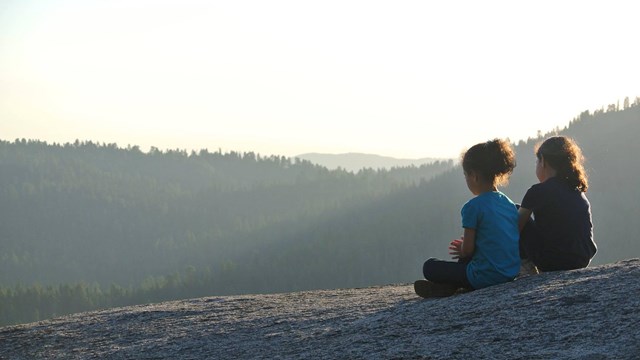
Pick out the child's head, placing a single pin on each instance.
(564, 156)
(493, 161)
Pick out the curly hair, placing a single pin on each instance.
(565, 156)
(493, 160)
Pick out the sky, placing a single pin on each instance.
(406, 79)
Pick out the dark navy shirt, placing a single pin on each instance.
(563, 218)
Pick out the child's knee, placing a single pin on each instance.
(428, 265)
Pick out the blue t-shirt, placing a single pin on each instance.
(496, 258)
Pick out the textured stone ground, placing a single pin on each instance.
(585, 314)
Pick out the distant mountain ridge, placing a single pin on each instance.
(357, 161)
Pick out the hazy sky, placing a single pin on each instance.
(398, 78)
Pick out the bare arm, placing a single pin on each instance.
(523, 216)
(468, 244)
(465, 246)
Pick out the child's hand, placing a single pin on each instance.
(455, 248)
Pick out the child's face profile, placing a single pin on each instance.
(539, 169)
(543, 170)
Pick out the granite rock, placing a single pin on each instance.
(590, 313)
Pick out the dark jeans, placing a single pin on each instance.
(447, 272)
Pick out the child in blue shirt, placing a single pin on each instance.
(488, 252)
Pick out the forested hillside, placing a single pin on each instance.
(89, 225)
(90, 219)
(97, 213)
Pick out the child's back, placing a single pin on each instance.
(488, 251)
(560, 234)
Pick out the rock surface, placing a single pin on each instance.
(584, 314)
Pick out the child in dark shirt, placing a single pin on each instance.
(559, 235)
